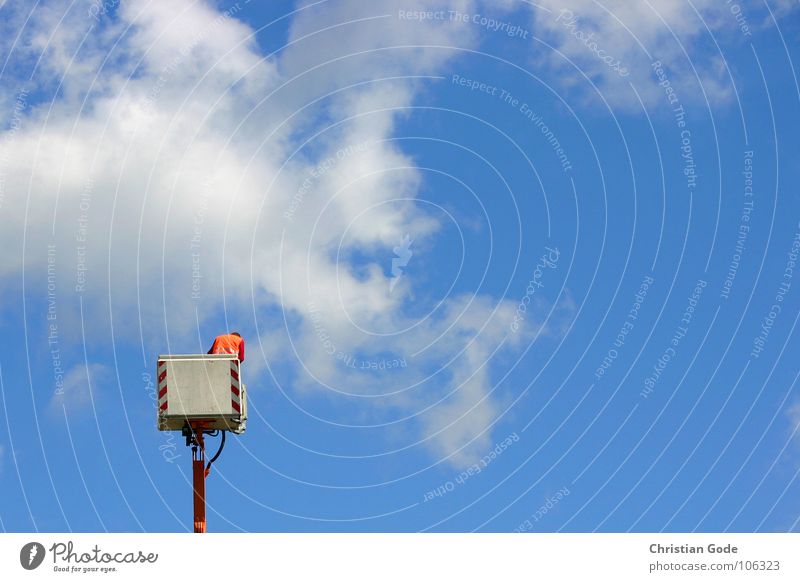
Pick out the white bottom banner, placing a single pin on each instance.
(406, 557)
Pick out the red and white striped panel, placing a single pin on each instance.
(162, 386)
(236, 402)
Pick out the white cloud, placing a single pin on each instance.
(782, 7)
(81, 386)
(631, 35)
(179, 166)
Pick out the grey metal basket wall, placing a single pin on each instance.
(197, 387)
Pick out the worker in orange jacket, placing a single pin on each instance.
(229, 343)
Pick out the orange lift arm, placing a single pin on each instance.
(199, 474)
(200, 470)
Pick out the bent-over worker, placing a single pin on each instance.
(229, 343)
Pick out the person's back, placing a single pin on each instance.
(230, 343)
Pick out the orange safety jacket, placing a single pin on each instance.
(228, 344)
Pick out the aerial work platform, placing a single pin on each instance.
(201, 387)
(201, 395)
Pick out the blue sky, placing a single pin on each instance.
(500, 266)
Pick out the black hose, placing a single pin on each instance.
(216, 455)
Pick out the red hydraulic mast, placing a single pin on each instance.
(199, 474)
(195, 432)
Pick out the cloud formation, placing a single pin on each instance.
(80, 388)
(615, 42)
(178, 170)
